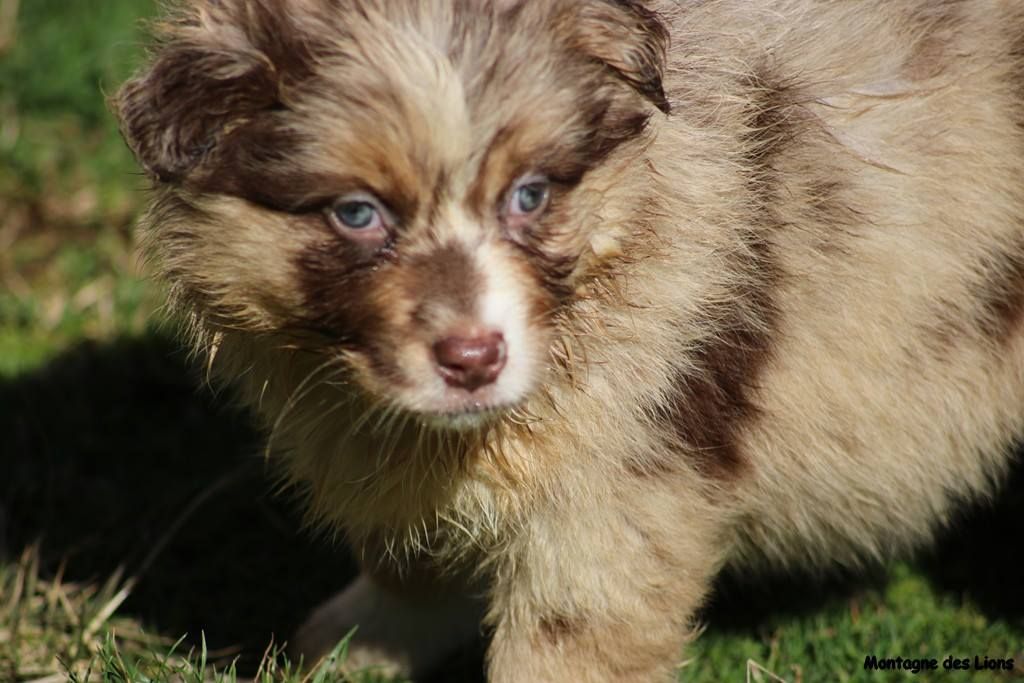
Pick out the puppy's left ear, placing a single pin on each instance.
(629, 39)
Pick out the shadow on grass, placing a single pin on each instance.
(107, 446)
(982, 554)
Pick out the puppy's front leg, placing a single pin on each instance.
(601, 594)
(402, 628)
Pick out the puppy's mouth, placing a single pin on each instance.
(460, 410)
(470, 418)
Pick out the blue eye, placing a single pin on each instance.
(360, 217)
(356, 214)
(530, 197)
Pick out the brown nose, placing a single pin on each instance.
(470, 362)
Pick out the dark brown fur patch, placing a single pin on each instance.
(774, 123)
(1002, 301)
(257, 163)
(176, 114)
(172, 116)
(937, 22)
(556, 628)
(446, 275)
(998, 309)
(712, 401)
(551, 266)
(928, 59)
(335, 278)
(630, 40)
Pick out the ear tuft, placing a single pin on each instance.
(206, 78)
(631, 40)
(172, 115)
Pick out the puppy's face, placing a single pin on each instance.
(402, 184)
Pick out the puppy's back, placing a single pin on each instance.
(883, 150)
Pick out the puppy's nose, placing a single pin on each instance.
(470, 362)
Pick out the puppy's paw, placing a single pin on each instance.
(396, 635)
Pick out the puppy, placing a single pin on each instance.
(557, 307)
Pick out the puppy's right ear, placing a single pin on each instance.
(631, 40)
(206, 78)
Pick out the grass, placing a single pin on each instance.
(139, 536)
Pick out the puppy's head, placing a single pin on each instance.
(407, 184)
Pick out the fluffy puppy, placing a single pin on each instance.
(556, 307)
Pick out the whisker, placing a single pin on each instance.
(298, 394)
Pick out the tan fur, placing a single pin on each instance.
(779, 326)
